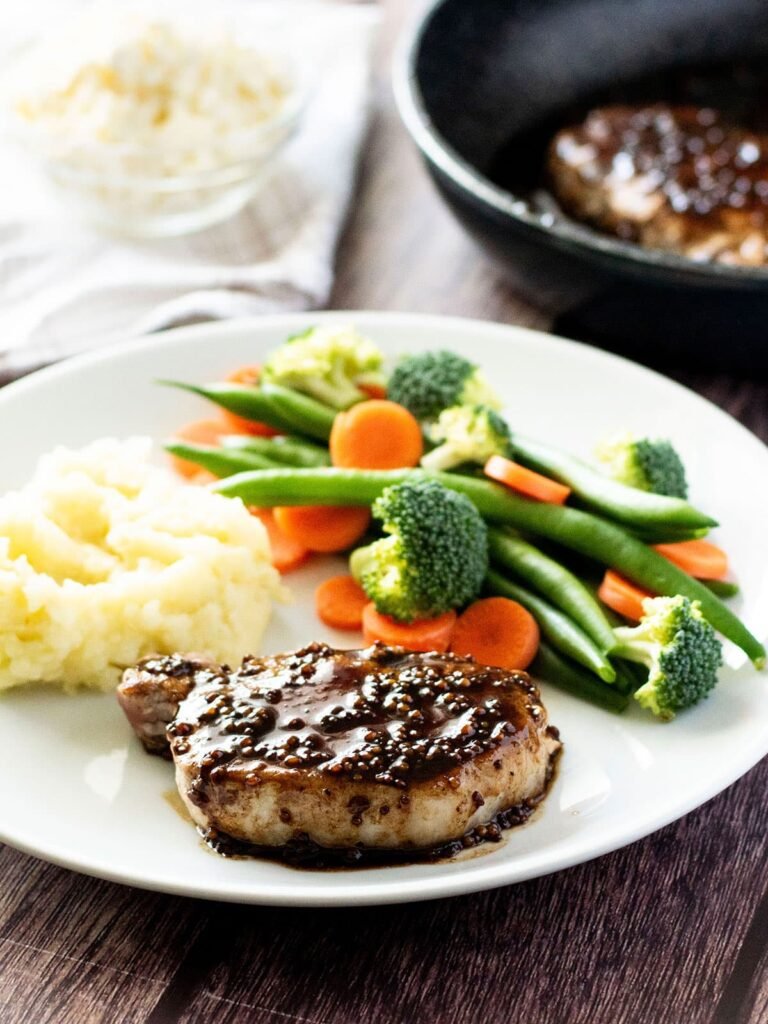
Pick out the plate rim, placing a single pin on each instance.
(138, 343)
(375, 892)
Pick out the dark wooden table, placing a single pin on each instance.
(672, 930)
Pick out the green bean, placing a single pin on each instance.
(613, 618)
(219, 461)
(554, 581)
(315, 486)
(628, 505)
(722, 588)
(285, 410)
(630, 675)
(551, 667)
(560, 631)
(286, 451)
(588, 534)
(305, 414)
(667, 534)
(248, 402)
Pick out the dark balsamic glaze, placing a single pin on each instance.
(702, 160)
(725, 95)
(382, 715)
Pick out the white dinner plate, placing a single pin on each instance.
(77, 789)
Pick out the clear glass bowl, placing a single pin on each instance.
(162, 189)
(144, 206)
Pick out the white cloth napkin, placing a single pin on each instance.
(65, 288)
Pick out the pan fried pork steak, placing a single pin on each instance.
(380, 748)
(677, 178)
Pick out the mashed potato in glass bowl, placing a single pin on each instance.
(106, 558)
(154, 125)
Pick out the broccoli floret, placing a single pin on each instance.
(467, 433)
(680, 649)
(436, 555)
(432, 381)
(328, 363)
(650, 465)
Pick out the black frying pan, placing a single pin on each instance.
(482, 85)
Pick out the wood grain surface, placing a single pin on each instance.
(672, 930)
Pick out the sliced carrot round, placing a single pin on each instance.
(339, 602)
(376, 435)
(497, 631)
(287, 554)
(198, 432)
(239, 425)
(323, 527)
(250, 376)
(373, 390)
(422, 635)
(525, 481)
(700, 558)
(622, 596)
(202, 478)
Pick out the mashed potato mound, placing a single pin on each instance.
(105, 558)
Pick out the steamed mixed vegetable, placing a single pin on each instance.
(413, 572)
(464, 534)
